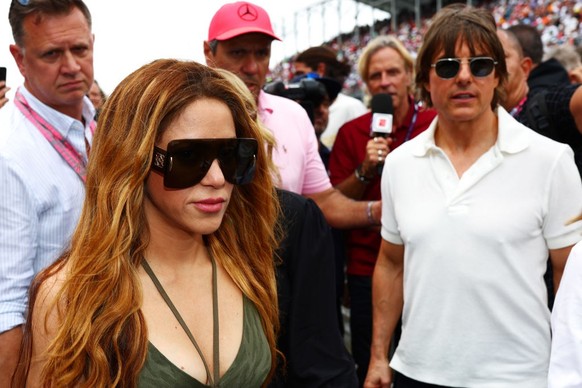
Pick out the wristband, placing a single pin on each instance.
(369, 212)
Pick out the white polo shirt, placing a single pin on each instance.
(475, 303)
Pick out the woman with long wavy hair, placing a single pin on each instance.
(169, 278)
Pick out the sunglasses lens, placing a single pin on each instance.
(482, 67)
(246, 159)
(188, 161)
(187, 165)
(447, 68)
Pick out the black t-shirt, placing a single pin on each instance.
(561, 126)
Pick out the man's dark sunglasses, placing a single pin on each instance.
(448, 68)
(187, 161)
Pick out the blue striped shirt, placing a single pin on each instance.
(40, 201)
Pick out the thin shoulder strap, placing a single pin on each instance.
(216, 350)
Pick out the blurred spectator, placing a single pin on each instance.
(543, 74)
(568, 57)
(558, 23)
(555, 111)
(323, 61)
(97, 97)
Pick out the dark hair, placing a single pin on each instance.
(20, 9)
(530, 41)
(334, 68)
(473, 26)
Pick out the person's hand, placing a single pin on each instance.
(377, 149)
(379, 374)
(3, 90)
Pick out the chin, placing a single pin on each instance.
(206, 227)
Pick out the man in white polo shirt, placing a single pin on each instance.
(472, 207)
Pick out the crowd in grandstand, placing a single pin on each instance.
(558, 21)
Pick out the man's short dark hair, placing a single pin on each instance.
(530, 41)
(335, 69)
(20, 9)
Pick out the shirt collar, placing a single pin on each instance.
(264, 106)
(512, 136)
(60, 121)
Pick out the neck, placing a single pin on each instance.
(401, 112)
(467, 135)
(74, 111)
(513, 99)
(171, 248)
(464, 143)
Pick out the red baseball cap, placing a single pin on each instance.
(239, 18)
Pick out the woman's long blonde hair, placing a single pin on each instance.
(102, 338)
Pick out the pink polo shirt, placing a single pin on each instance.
(296, 154)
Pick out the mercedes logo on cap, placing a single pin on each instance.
(247, 12)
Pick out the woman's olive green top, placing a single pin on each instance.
(249, 369)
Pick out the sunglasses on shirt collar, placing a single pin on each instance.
(187, 161)
(447, 68)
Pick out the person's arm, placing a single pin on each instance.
(565, 367)
(342, 212)
(387, 303)
(18, 244)
(352, 186)
(558, 259)
(10, 345)
(43, 327)
(576, 107)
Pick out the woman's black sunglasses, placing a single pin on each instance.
(448, 68)
(187, 161)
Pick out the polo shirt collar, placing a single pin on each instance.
(512, 137)
(264, 106)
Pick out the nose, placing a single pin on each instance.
(214, 176)
(250, 65)
(386, 79)
(464, 71)
(70, 63)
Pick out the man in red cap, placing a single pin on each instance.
(239, 40)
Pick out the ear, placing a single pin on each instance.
(208, 54)
(526, 65)
(321, 69)
(18, 56)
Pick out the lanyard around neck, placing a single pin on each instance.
(73, 158)
(519, 107)
(412, 123)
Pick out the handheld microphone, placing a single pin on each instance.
(382, 115)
